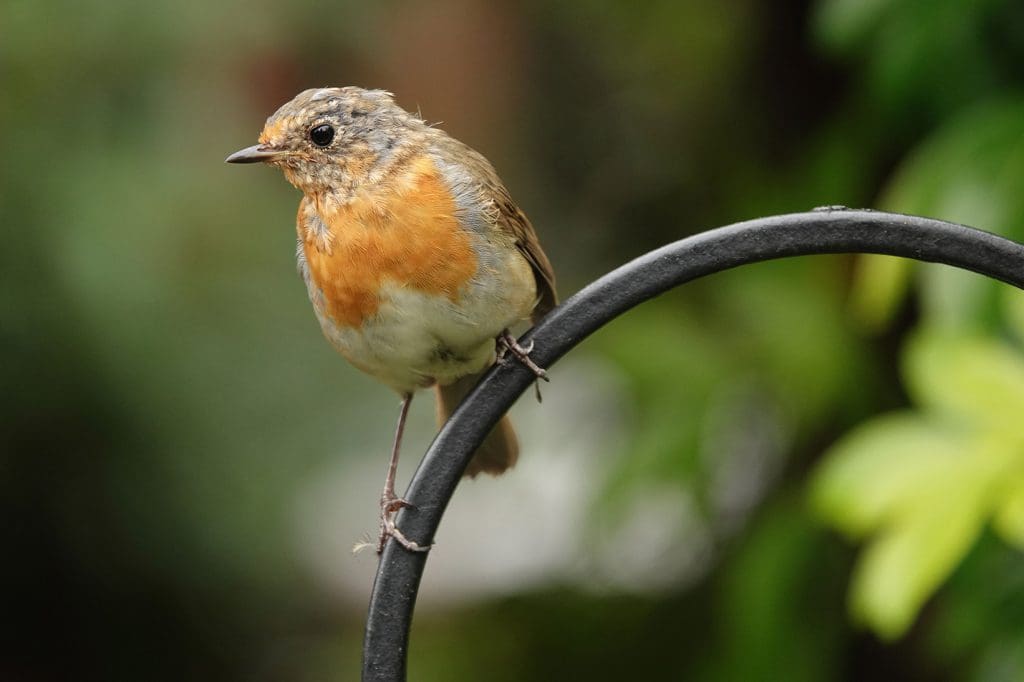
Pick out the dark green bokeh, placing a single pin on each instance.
(168, 397)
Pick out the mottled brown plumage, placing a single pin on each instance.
(509, 218)
(415, 256)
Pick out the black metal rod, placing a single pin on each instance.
(818, 232)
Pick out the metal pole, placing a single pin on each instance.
(829, 230)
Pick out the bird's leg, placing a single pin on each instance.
(508, 344)
(390, 503)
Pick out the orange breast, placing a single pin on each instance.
(407, 234)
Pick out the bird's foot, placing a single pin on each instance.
(389, 506)
(507, 344)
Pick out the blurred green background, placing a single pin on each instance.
(801, 470)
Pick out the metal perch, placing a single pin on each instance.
(826, 230)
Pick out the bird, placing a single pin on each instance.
(416, 259)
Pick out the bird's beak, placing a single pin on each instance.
(255, 154)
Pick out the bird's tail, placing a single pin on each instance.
(500, 448)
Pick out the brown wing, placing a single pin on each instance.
(507, 216)
(513, 220)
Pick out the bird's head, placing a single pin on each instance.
(325, 136)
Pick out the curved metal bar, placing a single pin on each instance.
(830, 230)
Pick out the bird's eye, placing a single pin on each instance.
(321, 135)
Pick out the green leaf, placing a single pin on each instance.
(903, 566)
(972, 378)
(879, 468)
(922, 485)
(1009, 517)
(923, 491)
(880, 285)
(969, 172)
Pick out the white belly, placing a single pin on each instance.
(415, 340)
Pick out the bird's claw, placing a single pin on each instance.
(508, 344)
(389, 506)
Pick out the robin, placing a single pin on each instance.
(416, 259)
